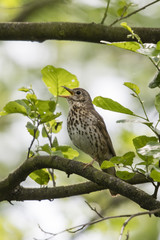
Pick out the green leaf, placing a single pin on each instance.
(122, 11)
(133, 87)
(125, 25)
(31, 96)
(109, 104)
(30, 125)
(56, 126)
(140, 142)
(3, 113)
(115, 159)
(156, 81)
(45, 109)
(32, 130)
(131, 46)
(41, 176)
(33, 134)
(46, 148)
(55, 142)
(157, 102)
(67, 151)
(55, 78)
(47, 117)
(107, 164)
(155, 175)
(44, 106)
(17, 106)
(44, 134)
(57, 153)
(134, 121)
(132, 35)
(124, 175)
(24, 89)
(158, 45)
(126, 159)
(150, 149)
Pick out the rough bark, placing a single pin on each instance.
(9, 187)
(92, 32)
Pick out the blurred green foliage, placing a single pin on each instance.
(9, 231)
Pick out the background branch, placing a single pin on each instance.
(32, 7)
(73, 31)
(105, 13)
(83, 225)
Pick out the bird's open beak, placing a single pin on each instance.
(69, 90)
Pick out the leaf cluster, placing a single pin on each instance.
(146, 147)
(43, 119)
(150, 50)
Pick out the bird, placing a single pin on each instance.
(87, 129)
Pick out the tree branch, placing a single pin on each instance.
(80, 227)
(73, 31)
(22, 194)
(70, 166)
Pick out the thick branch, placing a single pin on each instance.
(22, 194)
(73, 31)
(69, 166)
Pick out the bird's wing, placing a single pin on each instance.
(99, 122)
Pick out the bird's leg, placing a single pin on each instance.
(89, 164)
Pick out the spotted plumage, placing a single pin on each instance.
(86, 127)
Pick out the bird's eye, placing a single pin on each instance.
(78, 92)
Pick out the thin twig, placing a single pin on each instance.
(127, 236)
(136, 215)
(51, 172)
(144, 110)
(94, 209)
(105, 13)
(156, 65)
(34, 138)
(82, 226)
(134, 12)
(48, 136)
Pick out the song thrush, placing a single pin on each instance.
(87, 129)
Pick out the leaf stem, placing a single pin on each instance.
(156, 65)
(144, 110)
(48, 136)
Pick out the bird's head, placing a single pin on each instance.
(78, 96)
